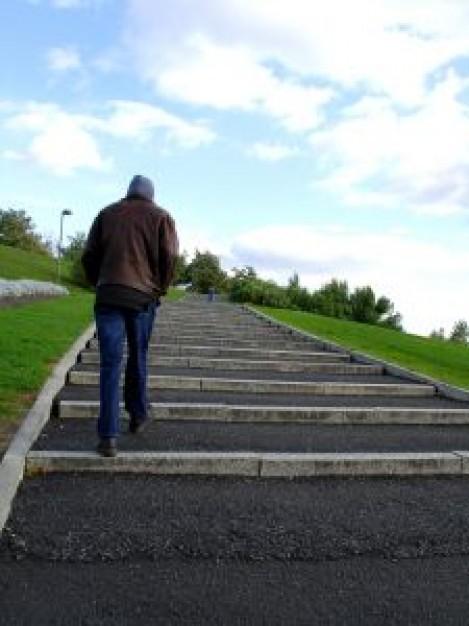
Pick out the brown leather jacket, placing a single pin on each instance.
(132, 243)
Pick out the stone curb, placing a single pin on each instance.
(263, 336)
(171, 318)
(319, 366)
(177, 349)
(221, 341)
(178, 411)
(13, 463)
(78, 377)
(444, 389)
(259, 465)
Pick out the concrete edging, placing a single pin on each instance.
(331, 366)
(221, 412)
(85, 377)
(258, 465)
(13, 463)
(444, 389)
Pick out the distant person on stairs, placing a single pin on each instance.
(130, 257)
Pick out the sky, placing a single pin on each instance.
(326, 138)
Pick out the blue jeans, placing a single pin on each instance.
(113, 325)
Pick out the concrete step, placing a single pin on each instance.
(249, 354)
(230, 333)
(202, 327)
(222, 319)
(176, 349)
(320, 377)
(79, 435)
(267, 343)
(252, 464)
(228, 398)
(276, 413)
(271, 386)
(322, 364)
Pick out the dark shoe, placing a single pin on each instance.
(107, 447)
(137, 425)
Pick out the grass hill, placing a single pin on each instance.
(16, 263)
(34, 336)
(443, 360)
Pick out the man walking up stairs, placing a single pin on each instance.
(130, 257)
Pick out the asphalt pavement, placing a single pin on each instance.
(161, 550)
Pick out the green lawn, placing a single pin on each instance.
(175, 294)
(33, 337)
(444, 361)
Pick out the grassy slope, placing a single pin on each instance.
(15, 264)
(444, 361)
(34, 336)
(175, 294)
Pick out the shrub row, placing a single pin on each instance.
(333, 299)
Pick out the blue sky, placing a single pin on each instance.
(328, 138)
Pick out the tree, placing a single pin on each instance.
(245, 273)
(460, 332)
(438, 334)
(205, 272)
(386, 314)
(181, 274)
(294, 281)
(17, 230)
(332, 299)
(298, 297)
(363, 305)
(384, 306)
(393, 321)
(72, 254)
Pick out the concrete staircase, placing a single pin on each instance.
(197, 521)
(232, 394)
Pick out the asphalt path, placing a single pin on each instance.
(154, 550)
(80, 434)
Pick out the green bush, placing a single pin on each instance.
(17, 231)
(204, 272)
(331, 300)
(71, 257)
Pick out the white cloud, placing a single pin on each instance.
(64, 142)
(392, 263)
(375, 155)
(195, 68)
(298, 62)
(138, 120)
(68, 4)
(110, 60)
(231, 78)
(383, 47)
(63, 59)
(271, 151)
(13, 155)
(61, 142)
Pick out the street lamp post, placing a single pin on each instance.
(59, 255)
